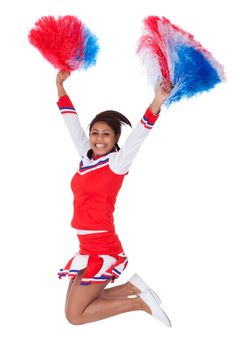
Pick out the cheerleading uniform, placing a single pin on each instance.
(95, 187)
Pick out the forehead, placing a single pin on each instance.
(101, 126)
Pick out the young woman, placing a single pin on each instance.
(95, 186)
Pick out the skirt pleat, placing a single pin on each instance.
(99, 268)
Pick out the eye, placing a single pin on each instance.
(94, 133)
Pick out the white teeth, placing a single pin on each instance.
(99, 145)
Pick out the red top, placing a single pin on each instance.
(97, 182)
(95, 195)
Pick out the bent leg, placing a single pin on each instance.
(123, 290)
(85, 303)
(70, 286)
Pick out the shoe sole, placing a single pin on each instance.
(156, 311)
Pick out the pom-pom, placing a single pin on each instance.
(171, 54)
(66, 42)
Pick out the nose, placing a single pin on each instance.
(99, 138)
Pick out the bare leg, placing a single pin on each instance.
(123, 290)
(68, 291)
(86, 304)
(80, 274)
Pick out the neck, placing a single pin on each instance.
(96, 156)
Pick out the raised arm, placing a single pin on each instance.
(121, 161)
(60, 78)
(70, 116)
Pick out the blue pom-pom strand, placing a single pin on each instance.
(193, 74)
(91, 48)
(172, 54)
(87, 51)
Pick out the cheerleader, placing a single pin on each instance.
(101, 258)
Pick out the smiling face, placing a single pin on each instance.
(102, 138)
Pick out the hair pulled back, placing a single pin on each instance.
(114, 119)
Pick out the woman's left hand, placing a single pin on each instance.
(162, 91)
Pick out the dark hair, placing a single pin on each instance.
(114, 119)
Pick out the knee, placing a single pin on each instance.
(74, 319)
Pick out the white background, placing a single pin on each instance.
(174, 212)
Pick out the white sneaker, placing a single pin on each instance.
(138, 282)
(156, 310)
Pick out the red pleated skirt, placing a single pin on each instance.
(102, 257)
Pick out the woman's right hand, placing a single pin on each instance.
(61, 77)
